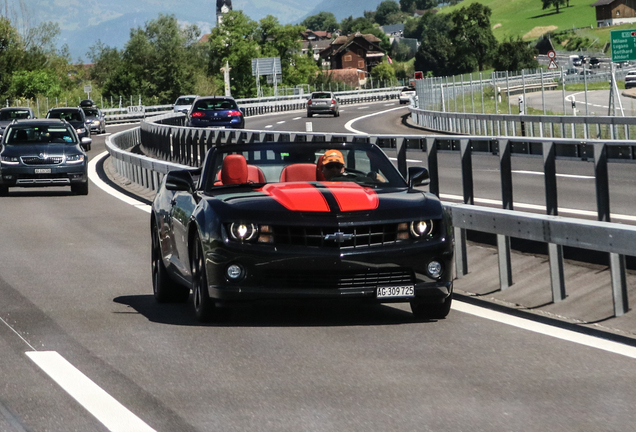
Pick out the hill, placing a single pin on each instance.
(527, 19)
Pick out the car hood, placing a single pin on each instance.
(52, 149)
(319, 200)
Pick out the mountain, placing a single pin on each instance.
(83, 23)
(343, 8)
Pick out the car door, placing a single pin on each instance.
(183, 205)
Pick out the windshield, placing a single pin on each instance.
(215, 105)
(14, 114)
(321, 96)
(363, 164)
(185, 101)
(68, 115)
(40, 134)
(93, 112)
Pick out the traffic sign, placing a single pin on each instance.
(623, 43)
(553, 64)
(551, 54)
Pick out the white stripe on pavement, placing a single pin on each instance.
(105, 408)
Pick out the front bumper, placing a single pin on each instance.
(300, 273)
(26, 176)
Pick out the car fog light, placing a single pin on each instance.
(434, 269)
(234, 272)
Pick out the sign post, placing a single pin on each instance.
(88, 89)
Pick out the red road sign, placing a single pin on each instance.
(553, 65)
(551, 55)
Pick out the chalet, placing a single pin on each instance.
(357, 51)
(311, 36)
(614, 12)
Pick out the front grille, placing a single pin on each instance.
(336, 237)
(355, 279)
(35, 160)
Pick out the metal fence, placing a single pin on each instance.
(173, 147)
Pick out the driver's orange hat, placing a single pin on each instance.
(332, 156)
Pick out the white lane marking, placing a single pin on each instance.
(615, 217)
(297, 118)
(545, 329)
(268, 126)
(280, 122)
(350, 122)
(389, 104)
(111, 413)
(364, 107)
(92, 174)
(558, 175)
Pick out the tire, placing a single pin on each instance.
(80, 188)
(205, 308)
(427, 311)
(336, 114)
(165, 289)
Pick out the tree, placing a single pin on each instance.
(11, 53)
(325, 21)
(383, 72)
(384, 9)
(235, 40)
(472, 36)
(436, 52)
(30, 84)
(514, 55)
(550, 3)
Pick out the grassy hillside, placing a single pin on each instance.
(527, 19)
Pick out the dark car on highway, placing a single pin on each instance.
(303, 221)
(8, 114)
(35, 153)
(76, 117)
(323, 103)
(595, 62)
(95, 120)
(216, 112)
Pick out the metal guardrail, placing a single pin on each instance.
(175, 147)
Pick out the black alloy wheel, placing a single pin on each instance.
(205, 308)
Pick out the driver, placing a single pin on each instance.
(332, 164)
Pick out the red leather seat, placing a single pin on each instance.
(298, 172)
(234, 170)
(319, 175)
(254, 173)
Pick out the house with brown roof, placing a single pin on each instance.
(614, 12)
(311, 35)
(356, 51)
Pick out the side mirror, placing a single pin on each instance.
(179, 181)
(418, 176)
(86, 142)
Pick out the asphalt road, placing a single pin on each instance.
(76, 305)
(597, 102)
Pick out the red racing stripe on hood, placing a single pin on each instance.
(297, 196)
(353, 197)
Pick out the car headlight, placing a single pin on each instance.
(417, 229)
(73, 159)
(95, 122)
(249, 232)
(81, 130)
(10, 160)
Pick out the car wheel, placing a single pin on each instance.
(204, 307)
(4, 190)
(165, 289)
(427, 311)
(80, 188)
(336, 114)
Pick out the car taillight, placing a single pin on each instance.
(309, 102)
(234, 114)
(198, 114)
(333, 101)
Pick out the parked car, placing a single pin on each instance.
(582, 58)
(260, 221)
(36, 153)
(95, 120)
(215, 111)
(630, 79)
(323, 103)
(8, 114)
(572, 71)
(406, 94)
(595, 62)
(76, 117)
(183, 103)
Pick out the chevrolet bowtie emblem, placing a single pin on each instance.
(339, 237)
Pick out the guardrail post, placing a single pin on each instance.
(467, 171)
(555, 251)
(601, 176)
(619, 284)
(503, 242)
(433, 167)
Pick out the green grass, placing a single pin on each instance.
(519, 17)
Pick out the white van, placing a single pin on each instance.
(575, 60)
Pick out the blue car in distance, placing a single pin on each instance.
(215, 112)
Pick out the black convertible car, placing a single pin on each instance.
(300, 221)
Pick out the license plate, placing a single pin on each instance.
(396, 291)
(43, 170)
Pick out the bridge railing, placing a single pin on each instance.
(175, 147)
